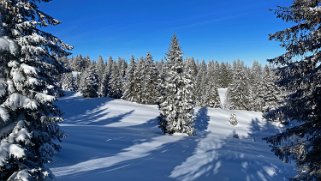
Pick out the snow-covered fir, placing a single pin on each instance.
(29, 131)
(177, 108)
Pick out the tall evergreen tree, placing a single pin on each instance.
(129, 87)
(25, 105)
(255, 80)
(68, 82)
(115, 83)
(211, 95)
(238, 92)
(139, 81)
(201, 82)
(100, 67)
(299, 74)
(150, 92)
(89, 82)
(104, 87)
(178, 106)
(226, 75)
(269, 92)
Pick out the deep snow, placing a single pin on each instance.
(110, 139)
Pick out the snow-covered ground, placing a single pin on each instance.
(118, 140)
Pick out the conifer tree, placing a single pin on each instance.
(149, 93)
(68, 82)
(238, 91)
(138, 81)
(25, 104)
(100, 67)
(104, 87)
(89, 82)
(201, 82)
(211, 95)
(129, 88)
(115, 83)
(177, 107)
(299, 74)
(270, 94)
(255, 80)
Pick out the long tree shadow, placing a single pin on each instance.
(84, 108)
(109, 120)
(201, 121)
(233, 158)
(145, 150)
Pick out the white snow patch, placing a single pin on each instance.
(16, 101)
(8, 45)
(222, 94)
(16, 151)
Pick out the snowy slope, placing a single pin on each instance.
(118, 140)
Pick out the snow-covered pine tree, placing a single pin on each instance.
(122, 66)
(255, 80)
(68, 82)
(269, 92)
(104, 87)
(211, 93)
(115, 83)
(129, 87)
(178, 106)
(139, 81)
(150, 92)
(89, 82)
(26, 79)
(201, 83)
(192, 65)
(162, 69)
(299, 74)
(238, 91)
(100, 67)
(226, 75)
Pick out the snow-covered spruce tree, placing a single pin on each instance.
(269, 92)
(115, 83)
(104, 88)
(192, 65)
(178, 106)
(238, 92)
(150, 92)
(211, 95)
(100, 67)
(162, 69)
(299, 73)
(138, 81)
(201, 82)
(255, 80)
(89, 82)
(129, 86)
(226, 75)
(26, 107)
(68, 82)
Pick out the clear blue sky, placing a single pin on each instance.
(207, 29)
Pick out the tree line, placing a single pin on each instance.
(140, 80)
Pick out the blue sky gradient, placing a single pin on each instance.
(207, 29)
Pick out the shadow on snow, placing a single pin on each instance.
(141, 152)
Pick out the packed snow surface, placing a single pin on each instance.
(109, 139)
